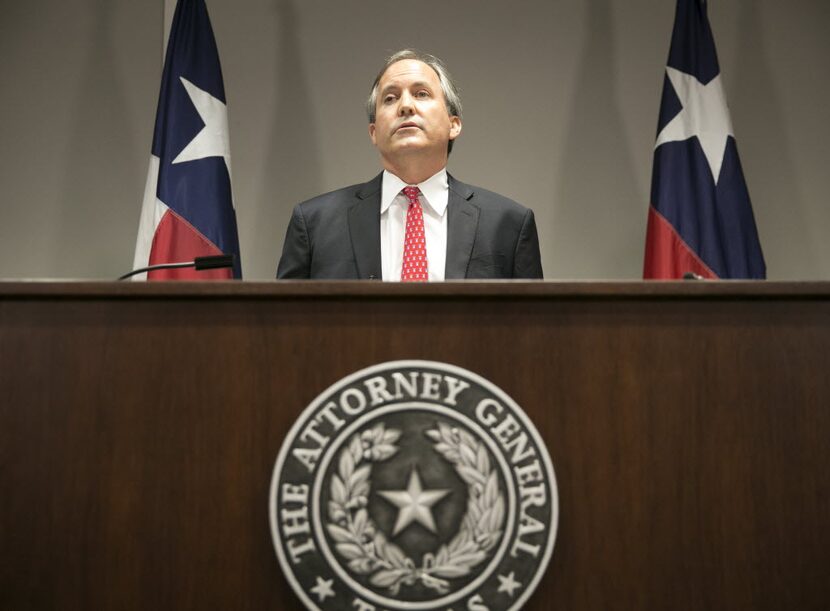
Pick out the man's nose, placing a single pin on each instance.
(405, 105)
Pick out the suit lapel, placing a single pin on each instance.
(462, 224)
(364, 230)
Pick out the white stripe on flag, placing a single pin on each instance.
(152, 211)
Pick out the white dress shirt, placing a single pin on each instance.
(393, 205)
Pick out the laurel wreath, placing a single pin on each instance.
(367, 550)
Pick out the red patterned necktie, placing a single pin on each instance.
(414, 267)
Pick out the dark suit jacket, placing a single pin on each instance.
(336, 236)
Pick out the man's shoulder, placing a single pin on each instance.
(339, 199)
(485, 199)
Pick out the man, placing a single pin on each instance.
(412, 222)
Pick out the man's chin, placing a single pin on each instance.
(410, 144)
(408, 148)
(408, 137)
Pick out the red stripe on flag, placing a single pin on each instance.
(177, 241)
(668, 257)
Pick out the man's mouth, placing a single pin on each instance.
(408, 124)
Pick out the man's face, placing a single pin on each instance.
(411, 115)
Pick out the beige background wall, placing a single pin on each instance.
(561, 100)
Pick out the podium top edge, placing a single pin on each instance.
(374, 290)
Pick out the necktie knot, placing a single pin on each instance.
(411, 194)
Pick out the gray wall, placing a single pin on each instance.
(561, 100)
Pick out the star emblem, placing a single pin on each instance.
(705, 115)
(414, 503)
(508, 584)
(323, 589)
(212, 141)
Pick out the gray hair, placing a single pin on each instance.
(452, 99)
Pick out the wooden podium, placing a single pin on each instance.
(688, 423)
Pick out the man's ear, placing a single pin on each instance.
(455, 127)
(372, 133)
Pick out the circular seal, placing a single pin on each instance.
(413, 485)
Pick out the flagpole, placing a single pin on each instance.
(169, 9)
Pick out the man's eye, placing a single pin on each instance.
(389, 98)
(422, 94)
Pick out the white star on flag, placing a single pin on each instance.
(414, 503)
(212, 141)
(705, 115)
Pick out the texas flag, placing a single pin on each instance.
(700, 219)
(188, 206)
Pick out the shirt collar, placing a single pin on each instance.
(434, 191)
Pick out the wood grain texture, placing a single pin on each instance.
(688, 423)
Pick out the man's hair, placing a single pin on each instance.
(452, 99)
